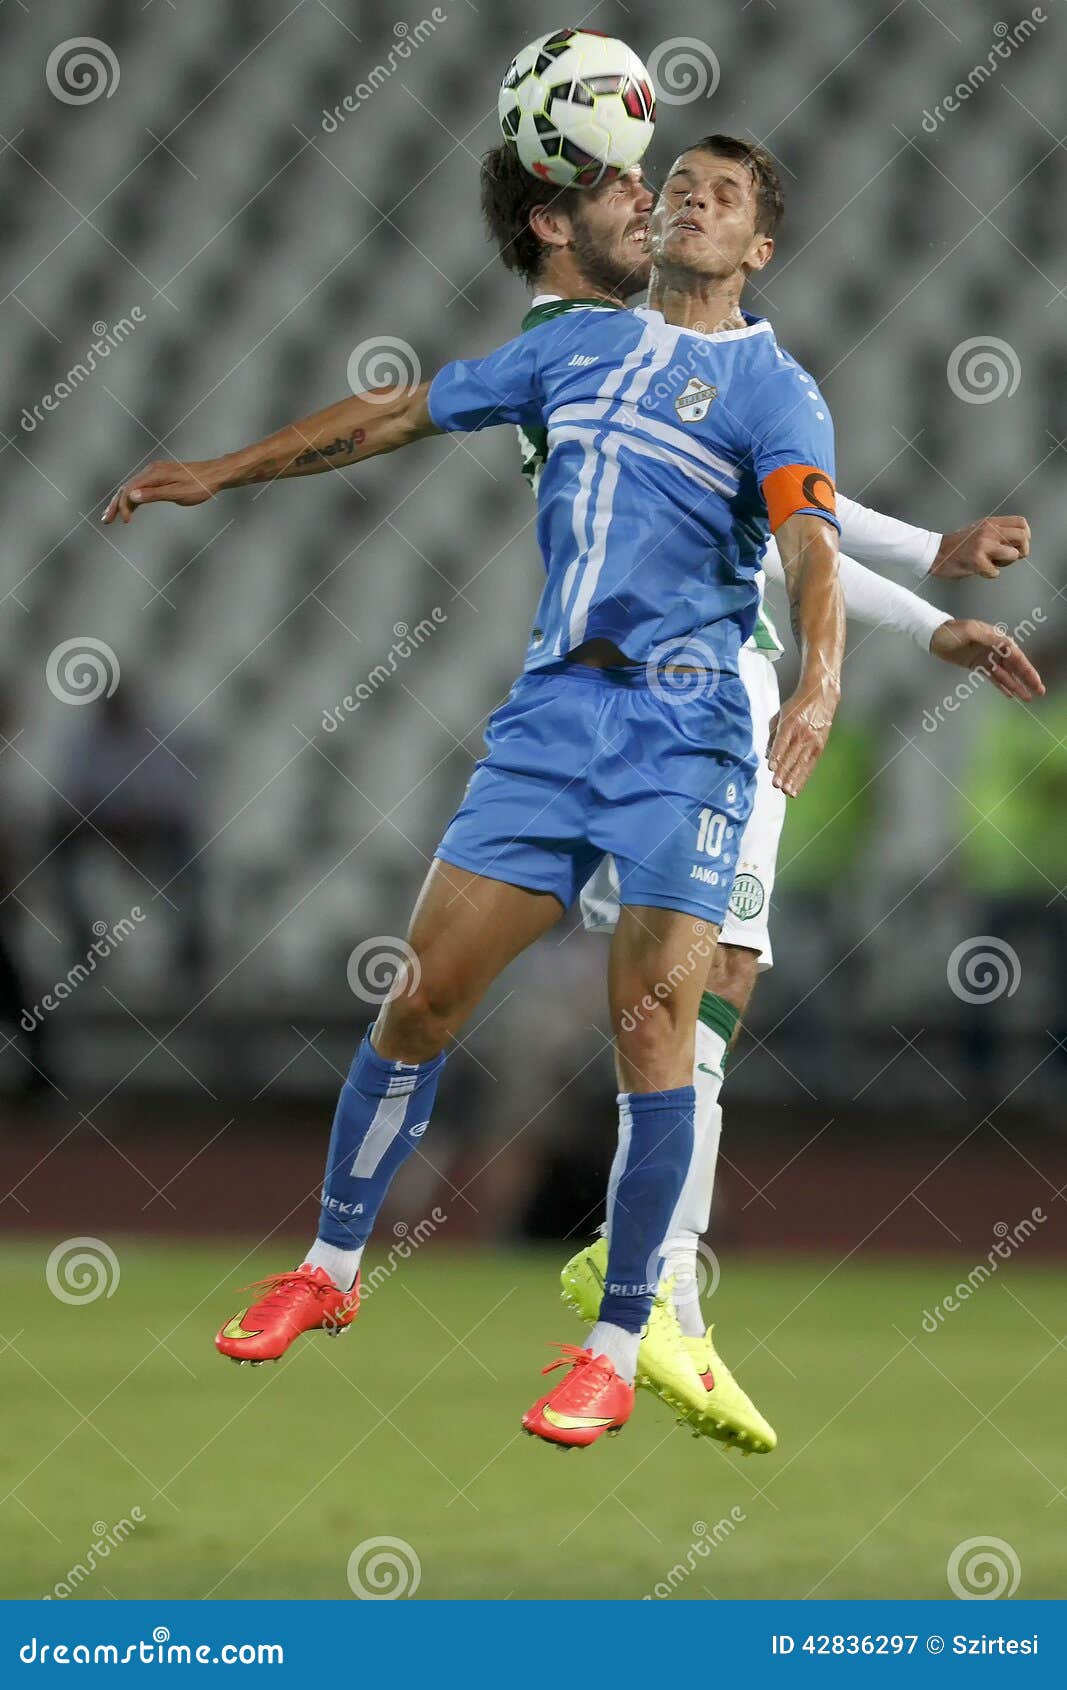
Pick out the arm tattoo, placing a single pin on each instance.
(793, 595)
(340, 448)
(248, 477)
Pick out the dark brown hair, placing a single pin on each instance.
(770, 201)
(509, 194)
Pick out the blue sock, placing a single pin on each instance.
(647, 1176)
(382, 1113)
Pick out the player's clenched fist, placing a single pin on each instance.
(166, 482)
(982, 548)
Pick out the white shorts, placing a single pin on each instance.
(748, 916)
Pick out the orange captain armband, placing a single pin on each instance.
(797, 487)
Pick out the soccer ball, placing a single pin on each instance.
(578, 108)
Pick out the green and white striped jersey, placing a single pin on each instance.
(533, 445)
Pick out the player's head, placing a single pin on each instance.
(589, 237)
(717, 212)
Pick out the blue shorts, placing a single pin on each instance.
(583, 761)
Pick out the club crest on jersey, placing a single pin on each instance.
(746, 898)
(694, 401)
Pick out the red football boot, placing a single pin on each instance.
(304, 1300)
(590, 1401)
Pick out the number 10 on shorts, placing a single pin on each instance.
(711, 834)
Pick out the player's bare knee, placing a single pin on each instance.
(418, 1019)
(655, 1047)
(733, 974)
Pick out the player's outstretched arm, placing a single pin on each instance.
(984, 649)
(873, 599)
(359, 427)
(969, 644)
(808, 549)
(981, 548)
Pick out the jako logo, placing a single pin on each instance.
(417, 1132)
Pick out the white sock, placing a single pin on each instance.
(691, 1217)
(680, 1264)
(709, 1052)
(618, 1345)
(341, 1265)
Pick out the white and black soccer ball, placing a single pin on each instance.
(578, 108)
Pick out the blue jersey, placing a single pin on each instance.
(665, 447)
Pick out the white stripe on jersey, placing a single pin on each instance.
(631, 363)
(605, 497)
(644, 449)
(578, 519)
(593, 413)
(683, 442)
(627, 383)
(662, 350)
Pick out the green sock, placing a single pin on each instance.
(722, 1017)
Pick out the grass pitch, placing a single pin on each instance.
(896, 1444)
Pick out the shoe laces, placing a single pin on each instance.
(586, 1379)
(276, 1287)
(569, 1355)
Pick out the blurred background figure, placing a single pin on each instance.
(128, 798)
(25, 1061)
(1011, 815)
